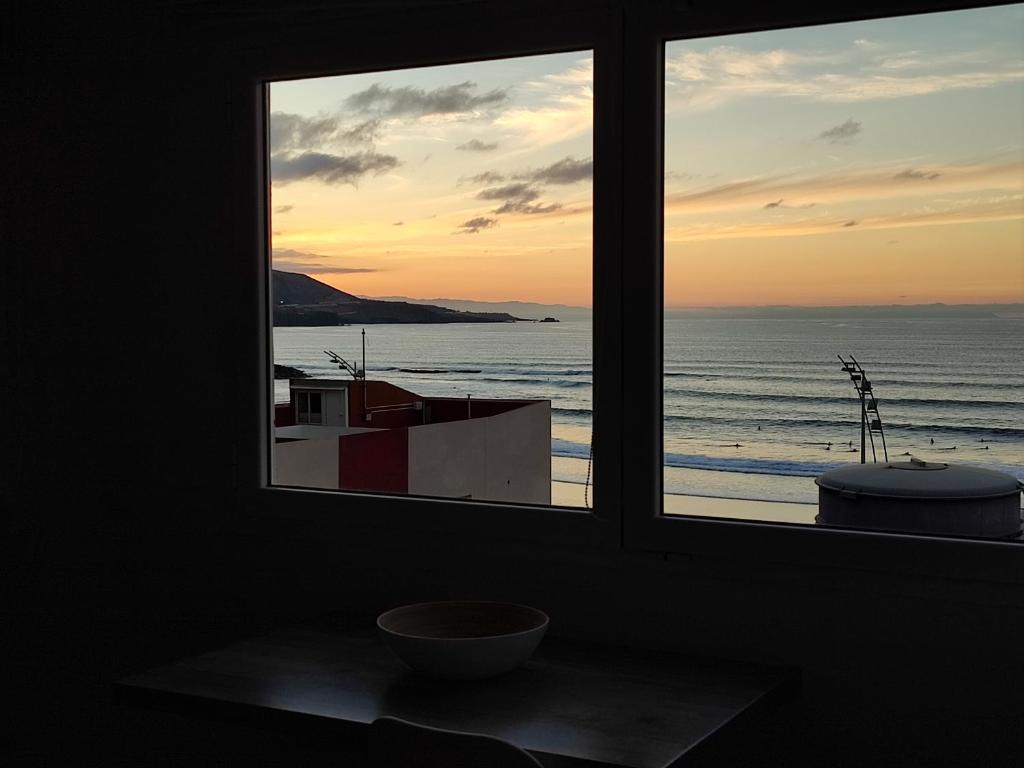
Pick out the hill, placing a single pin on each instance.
(522, 309)
(300, 300)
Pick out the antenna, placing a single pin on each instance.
(869, 424)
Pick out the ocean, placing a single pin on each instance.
(753, 408)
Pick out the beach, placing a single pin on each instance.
(754, 410)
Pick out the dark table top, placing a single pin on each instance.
(571, 704)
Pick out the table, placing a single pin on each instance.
(573, 704)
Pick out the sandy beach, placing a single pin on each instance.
(571, 495)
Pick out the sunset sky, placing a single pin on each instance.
(872, 162)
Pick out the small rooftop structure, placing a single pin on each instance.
(363, 435)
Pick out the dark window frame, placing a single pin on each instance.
(386, 43)
(628, 42)
(645, 527)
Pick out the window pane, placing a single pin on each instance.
(852, 189)
(445, 212)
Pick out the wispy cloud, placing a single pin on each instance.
(841, 133)
(871, 183)
(476, 224)
(564, 107)
(568, 170)
(780, 203)
(518, 198)
(366, 132)
(1006, 208)
(289, 260)
(911, 173)
(487, 177)
(298, 132)
(701, 80)
(283, 208)
(475, 145)
(329, 169)
(408, 101)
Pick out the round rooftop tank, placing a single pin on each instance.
(921, 496)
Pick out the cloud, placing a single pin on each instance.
(487, 177)
(363, 133)
(702, 80)
(475, 145)
(565, 108)
(475, 225)
(867, 184)
(283, 208)
(910, 173)
(524, 191)
(841, 133)
(397, 223)
(568, 170)
(1004, 208)
(779, 204)
(288, 260)
(417, 102)
(519, 206)
(517, 199)
(298, 133)
(329, 169)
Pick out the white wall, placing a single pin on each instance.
(499, 458)
(307, 463)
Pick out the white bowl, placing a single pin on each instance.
(463, 640)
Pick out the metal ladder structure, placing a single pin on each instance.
(870, 420)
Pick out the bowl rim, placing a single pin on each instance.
(545, 620)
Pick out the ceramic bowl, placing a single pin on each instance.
(462, 640)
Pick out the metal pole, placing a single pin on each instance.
(863, 424)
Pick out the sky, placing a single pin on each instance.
(873, 162)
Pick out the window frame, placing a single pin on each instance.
(473, 34)
(628, 43)
(645, 526)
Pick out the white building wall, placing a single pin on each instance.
(307, 463)
(499, 458)
(519, 455)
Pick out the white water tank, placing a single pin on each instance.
(921, 496)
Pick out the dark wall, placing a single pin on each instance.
(126, 543)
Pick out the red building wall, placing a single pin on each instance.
(284, 415)
(374, 461)
(381, 393)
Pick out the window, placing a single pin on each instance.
(431, 234)
(856, 190)
(308, 408)
(664, 194)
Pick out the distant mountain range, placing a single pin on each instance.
(527, 310)
(299, 300)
